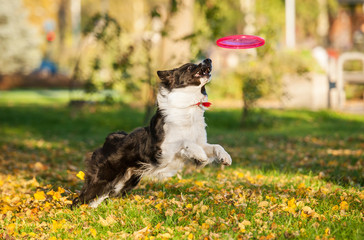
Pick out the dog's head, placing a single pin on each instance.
(189, 74)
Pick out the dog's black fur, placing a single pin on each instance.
(124, 152)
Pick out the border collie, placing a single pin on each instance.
(176, 135)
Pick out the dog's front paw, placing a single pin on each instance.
(222, 156)
(195, 153)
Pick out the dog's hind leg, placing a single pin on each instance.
(130, 184)
(125, 183)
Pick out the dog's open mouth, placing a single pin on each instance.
(203, 72)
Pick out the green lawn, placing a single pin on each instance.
(295, 174)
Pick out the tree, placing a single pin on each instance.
(19, 40)
(102, 38)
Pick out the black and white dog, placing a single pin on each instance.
(176, 135)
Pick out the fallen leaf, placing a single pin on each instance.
(169, 212)
(93, 232)
(263, 204)
(81, 175)
(40, 196)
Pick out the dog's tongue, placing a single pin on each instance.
(205, 104)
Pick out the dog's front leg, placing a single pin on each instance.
(192, 151)
(217, 153)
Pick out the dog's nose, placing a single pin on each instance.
(207, 61)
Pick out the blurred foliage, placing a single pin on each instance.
(270, 25)
(124, 55)
(213, 19)
(307, 13)
(262, 77)
(110, 63)
(19, 40)
(354, 91)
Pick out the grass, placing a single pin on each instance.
(296, 174)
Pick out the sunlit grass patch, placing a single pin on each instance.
(298, 174)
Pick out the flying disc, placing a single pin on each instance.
(240, 42)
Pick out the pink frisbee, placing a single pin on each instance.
(240, 42)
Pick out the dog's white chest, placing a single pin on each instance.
(180, 129)
(183, 123)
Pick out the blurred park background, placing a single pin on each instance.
(106, 50)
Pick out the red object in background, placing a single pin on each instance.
(240, 42)
(51, 36)
(333, 53)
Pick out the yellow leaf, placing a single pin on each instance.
(246, 223)
(210, 222)
(32, 183)
(60, 190)
(344, 205)
(327, 231)
(205, 226)
(160, 194)
(270, 236)
(40, 196)
(158, 226)
(335, 208)
(47, 205)
(11, 228)
(58, 225)
(241, 227)
(222, 227)
(38, 166)
(361, 195)
(81, 175)
(93, 232)
(189, 206)
(137, 198)
(292, 203)
(271, 198)
(51, 192)
(141, 233)
(108, 221)
(190, 236)
(57, 196)
(304, 215)
(159, 206)
(240, 175)
(199, 183)
(307, 210)
(204, 208)
(165, 236)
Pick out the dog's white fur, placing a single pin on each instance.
(185, 133)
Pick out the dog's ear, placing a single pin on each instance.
(166, 77)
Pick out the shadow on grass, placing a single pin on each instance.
(322, 143)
